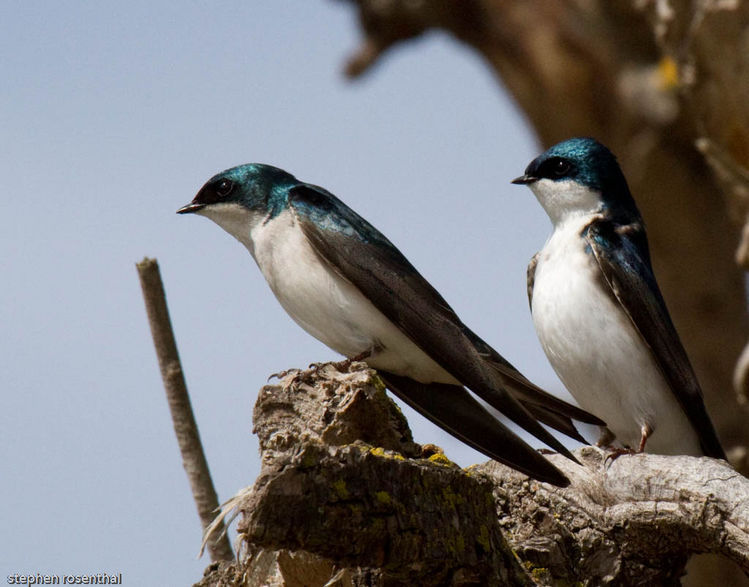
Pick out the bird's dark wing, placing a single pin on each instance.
(451, 407)
(555, 420)
(622, 255)
(530, 395)
(362, 255)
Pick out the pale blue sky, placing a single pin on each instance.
(112, 116)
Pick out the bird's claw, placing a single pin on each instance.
(317, 367)
(282, 374)
(615, 453)
(314, 369)
(298, 376)
(646, 430)
(343, 366)
(301, 375)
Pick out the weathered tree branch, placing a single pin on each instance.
(185, 427)
(345, 494)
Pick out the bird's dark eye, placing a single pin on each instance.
(224, 187)
(555, 168)
(560, 167)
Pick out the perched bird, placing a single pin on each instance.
(598, 311)
(342, 281)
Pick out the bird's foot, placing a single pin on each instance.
(344, 366)
(299, 375)
(314, 369)
(615, 453)
(281, 374)
(646, 430)
(317, 367)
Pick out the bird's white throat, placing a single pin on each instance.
(566, 199)
(235, 219)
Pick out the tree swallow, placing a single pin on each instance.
(598, 311)
(348, 286)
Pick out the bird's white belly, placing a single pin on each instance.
(597, 353)
(330, 308)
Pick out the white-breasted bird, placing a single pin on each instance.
(598, 312)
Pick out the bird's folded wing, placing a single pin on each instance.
(627, 275)
(525, 391)
(451, 407)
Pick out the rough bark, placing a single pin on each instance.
(345, 497)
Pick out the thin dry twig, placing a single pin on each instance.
(185, 427)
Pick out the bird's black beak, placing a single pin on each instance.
(190, 208)
(524, 179)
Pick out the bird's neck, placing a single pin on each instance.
(237, 220)
(566, 201)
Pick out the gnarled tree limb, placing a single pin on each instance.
(377, 512)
